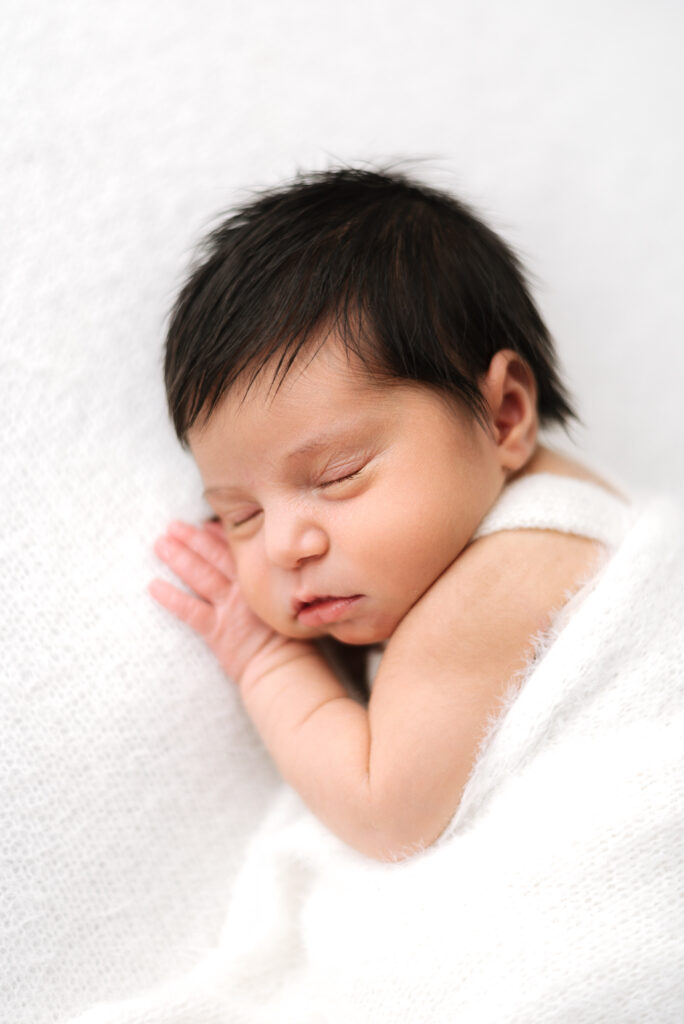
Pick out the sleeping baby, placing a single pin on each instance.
(360, 374)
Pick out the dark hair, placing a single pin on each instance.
(411, 280)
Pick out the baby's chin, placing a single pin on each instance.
(361, 633)
(364, 631)
(356, 634)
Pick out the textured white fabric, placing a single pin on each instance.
(130, 777)
(556, 894)
(546, 501)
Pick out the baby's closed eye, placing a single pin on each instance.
(342, 469)
(239, 517)
(342, 478)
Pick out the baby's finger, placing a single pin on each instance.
(192, 610)
(206, 580)
(209, 542)
(214, 527)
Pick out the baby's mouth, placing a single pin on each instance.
(310, 602)
(324, 608)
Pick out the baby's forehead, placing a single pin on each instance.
(327, 395)
(319, 389)
(324, 368)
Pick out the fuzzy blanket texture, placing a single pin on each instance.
(556, 893)
(132, 781)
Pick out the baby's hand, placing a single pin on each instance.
(217, 610)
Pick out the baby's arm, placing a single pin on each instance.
(389, 778)
(317, 735)
(450, 662)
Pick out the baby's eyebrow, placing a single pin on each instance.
(220, 491)
(316, 443)
(312, 445)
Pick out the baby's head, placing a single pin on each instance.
(357, 367)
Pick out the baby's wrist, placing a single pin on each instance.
(276, 654)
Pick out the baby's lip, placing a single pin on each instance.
(307, 599)
(326, 609)
(302, 600)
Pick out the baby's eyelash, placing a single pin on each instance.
(240, 522)
(342, 479)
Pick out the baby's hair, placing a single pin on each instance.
(408, 277)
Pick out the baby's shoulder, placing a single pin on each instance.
(535, 568)
(479, 624)
(508, 585)
(556, 512)
(548, 557)
(505, 591)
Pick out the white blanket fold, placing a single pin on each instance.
(555, 895)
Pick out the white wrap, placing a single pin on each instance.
(555, 895)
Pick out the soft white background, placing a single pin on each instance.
(129, 777)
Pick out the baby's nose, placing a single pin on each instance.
(290, 543)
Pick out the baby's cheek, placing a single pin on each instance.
(257, 592)
(253, 593)
(249, 579)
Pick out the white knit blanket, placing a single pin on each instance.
(556, 895)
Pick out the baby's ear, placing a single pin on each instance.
(510, 391)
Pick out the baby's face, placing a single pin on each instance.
(343, 500)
